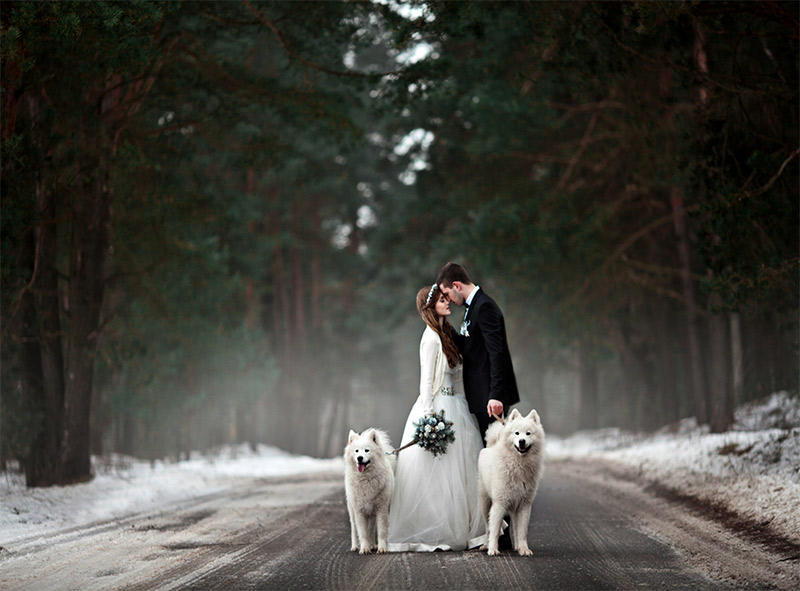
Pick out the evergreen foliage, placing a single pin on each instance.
(259, 188)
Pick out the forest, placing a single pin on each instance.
(216, 215)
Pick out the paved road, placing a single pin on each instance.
(293, 534)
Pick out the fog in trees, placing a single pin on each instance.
(216, 215)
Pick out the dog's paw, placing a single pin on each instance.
(354, 548)
(381, 549)
(365, 550)
(525, 551)
(493, 552)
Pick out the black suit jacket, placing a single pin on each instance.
(488, 372)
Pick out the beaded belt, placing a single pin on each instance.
(448, 391)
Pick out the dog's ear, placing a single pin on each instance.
(352, 437)
(535, 416)
(514, 415)
(373, 434)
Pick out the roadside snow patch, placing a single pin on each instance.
(754, 469)
(125, 486)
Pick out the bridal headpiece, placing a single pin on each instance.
(430, 294)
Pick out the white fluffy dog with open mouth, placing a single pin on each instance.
(368, 486)
(509, 469)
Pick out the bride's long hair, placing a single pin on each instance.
(446, 332)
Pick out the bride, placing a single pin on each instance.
(435, 504)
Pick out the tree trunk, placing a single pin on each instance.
(783, 356)
(88, 265)
(282, 316)
(626, 400)
(631, 374)
(41, 318)
(316, 275)
(298, 292)
(649, 402)
(253, 312)
(341, 424)
(737, 359)
(694, 366)
(667, 380)
(41, 465)
(327, 421)
(587, 411)
(720, 383)
(538, 390)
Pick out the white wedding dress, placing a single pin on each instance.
(435, 503)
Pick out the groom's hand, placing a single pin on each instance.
(494, 407)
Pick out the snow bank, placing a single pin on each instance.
(754, 469)
(126, 486)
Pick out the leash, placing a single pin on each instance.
(501, 419)
(399, 449)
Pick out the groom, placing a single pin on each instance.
(489, 382)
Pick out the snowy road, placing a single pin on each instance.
(589, 530)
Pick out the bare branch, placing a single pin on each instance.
(655, 269)
(633, 238)
(293, 54)
(644, 283)
(584, 143)
(768, 186)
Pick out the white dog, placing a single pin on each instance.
(509, 469)
(368, 486)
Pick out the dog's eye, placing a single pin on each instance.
(517, 433)
(366, 451)
(528, 433)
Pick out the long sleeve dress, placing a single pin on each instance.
(435, 503)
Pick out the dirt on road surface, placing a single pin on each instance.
(590, 529)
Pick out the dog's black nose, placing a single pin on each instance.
(522, 443)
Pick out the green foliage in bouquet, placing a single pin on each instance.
(434, 433)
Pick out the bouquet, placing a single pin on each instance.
(432, 433)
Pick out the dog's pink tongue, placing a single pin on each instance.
(361, 467)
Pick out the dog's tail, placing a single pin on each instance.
(493, 433)
(386, 445)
